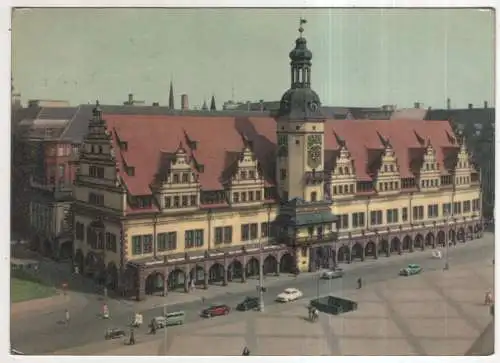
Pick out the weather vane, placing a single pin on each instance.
(301, 28)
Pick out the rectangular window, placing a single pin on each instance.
(344, 221)
(198, 237)
(176, 178)
(258, 195)
(185, 178)
(358, 220)
(110, 242)
(236, 197)
(193, 238)
(193, 200)
(432, 211)
(264, 229)
(177, 202)
(147, 243)
(168, 202)
(250, 196)
(243, 196)
(392, 215)
(446, 209)
(254, 231)
(167, 241)
(219, 235)
(457, 208)
(418, 213)
(375, 217)
(245, 232)
(228, 234)
(467, 206)
(184, 201)
(136, 245)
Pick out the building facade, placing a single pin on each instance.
(164, 202)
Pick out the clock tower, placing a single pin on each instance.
(300, 131)
(305, 221)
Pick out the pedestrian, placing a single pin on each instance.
(153, 327)
(66, 316)
(203, 299)
(360, 283)
(246, 351)
(132, 337)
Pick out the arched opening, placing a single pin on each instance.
(321, 255)
(461, 235)
(370, 249)
(112, 281)
(419, 241)
(395, 245)
(154, 283)
(197, 275)
(357, 251)
(47, 248)
(429, 240)
(452, 236)
(441, 238)
(66, 250)
(287, 263)
(270, 265)
(470, 233)
(234, 270)
(78, 261)
(90, 264)
(406, 243)
(176, 279)
(344, 254)
(383, 247)
(101, 273)
(216, 273)
(131, 280)
(252, 267)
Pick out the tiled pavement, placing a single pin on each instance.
(436, 313)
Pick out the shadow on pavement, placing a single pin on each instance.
(485, 344)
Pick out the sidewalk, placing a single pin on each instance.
(237, 288)
(33, 306)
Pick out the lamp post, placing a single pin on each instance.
(165, 330)
(446, 261)
(261, 277)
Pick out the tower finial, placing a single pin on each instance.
(301, 23)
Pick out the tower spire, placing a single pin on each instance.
(212, 104)
(171, 104)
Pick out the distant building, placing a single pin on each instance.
(132, 102)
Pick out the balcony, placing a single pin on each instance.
(326, 237)
(60, 190)
(315, 177)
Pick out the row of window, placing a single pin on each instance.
(143, 244)
(249, 196)
(393, 216)
(182, 178)
(96, 199)
(343, 189)
(463, 180)
(181, 201)
(386, 186)
(426, 183)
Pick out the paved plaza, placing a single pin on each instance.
(436, 313)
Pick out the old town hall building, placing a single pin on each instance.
(166, 201)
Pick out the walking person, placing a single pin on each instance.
(360, 283)
(66, 316)
(153, 327)
(246, 351)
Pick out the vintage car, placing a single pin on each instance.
(114, 333)
(250, 303)
(411, 269)
(216, 310)
(290, 294)
(332, 274)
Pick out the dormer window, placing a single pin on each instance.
(251, 174)
(346, 170)
(177, 202)
(243, 175)
(185, 178)
(130, 170)
(175, 178)
(386, 168)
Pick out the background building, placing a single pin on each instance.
(164, 200)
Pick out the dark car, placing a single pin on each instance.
(249, 303)
(114, 333)
(216, 310)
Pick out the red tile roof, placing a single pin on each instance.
(150, 138)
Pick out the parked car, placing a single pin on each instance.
(250, 303)
(411, 269)
(290, 294)
(114, 333)
(335, 273)
(216, 310)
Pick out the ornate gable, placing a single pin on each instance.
(246, 182)
(387, 179)
(343, 176)
(463, 167)
(428, 175)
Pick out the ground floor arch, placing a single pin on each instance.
(112, 276)
(419, 241)
(441, 238)
(430, 240)
(66, 250)
(176, 279)
(287, 263)
(344, 255)
(383, 247)
(197, 275)
(216, 273)
(371, 249)
(470, 233)
(78, 260)
(461, 235)
(395, 245)
(252, 267)
(452, 236)
(234, 270)
(154, 283)
(406, 244)
(270, 265)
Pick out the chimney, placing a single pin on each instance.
(261, 105)
(448, 104)
(416, 105)
(156, 104)
(184, 102)
(130, 98)
(470, 106)
(485, 104)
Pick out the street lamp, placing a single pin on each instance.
(165, 330)
(447, 242)
(261, 277)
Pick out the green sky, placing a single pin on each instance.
(363, 57)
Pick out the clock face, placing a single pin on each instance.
(313, 140)
(314, 156)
